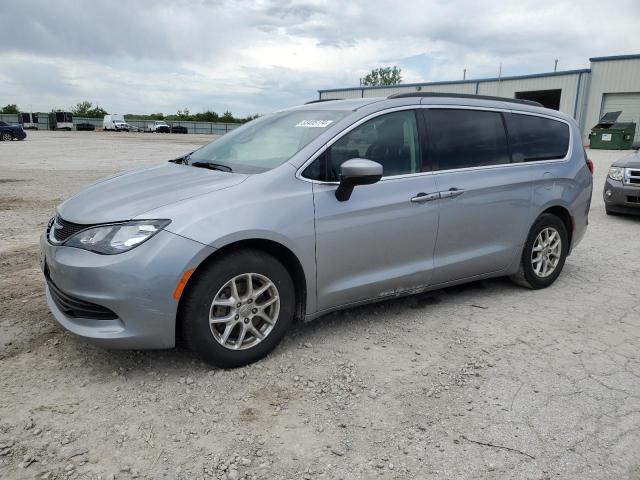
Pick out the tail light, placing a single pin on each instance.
(590, 165)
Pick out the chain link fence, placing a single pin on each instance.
(210, 128)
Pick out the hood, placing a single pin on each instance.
(124, 196)
(630, 161)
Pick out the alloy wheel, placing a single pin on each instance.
(546, 252)
(244, 311)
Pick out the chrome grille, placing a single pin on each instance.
(632, 176)
(61, 230)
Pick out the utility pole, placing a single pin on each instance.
(499, 79)
(555, 66)
(464, 74)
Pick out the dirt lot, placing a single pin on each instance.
(483, 381)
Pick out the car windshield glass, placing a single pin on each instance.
(269, 141)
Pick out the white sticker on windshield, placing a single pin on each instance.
(314, 123)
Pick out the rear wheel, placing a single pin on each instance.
(544, 253)
(238, 308)
(6, 136)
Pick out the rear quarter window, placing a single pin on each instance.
(534, 138)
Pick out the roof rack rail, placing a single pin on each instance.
(466, 95)
(323, 100)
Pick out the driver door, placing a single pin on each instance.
(380, 242)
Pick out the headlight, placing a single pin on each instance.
(117, 238)
(616, 173)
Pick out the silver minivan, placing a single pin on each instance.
(313, 209)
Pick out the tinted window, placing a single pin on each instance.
(537, 138)
(391, 140)
(466, 138)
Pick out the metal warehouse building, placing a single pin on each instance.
(611, 84)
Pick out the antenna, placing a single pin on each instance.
(464, 74)
(555, 66)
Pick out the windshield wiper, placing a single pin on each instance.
(181, 160)
(212, 166)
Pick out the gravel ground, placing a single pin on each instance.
(482, 381)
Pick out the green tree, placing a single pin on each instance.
(11, 108)
(86, 109)
(206, 116)
(382, 76)
(227, 117)
(81, 108)
(96, 112)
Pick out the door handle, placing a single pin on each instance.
(425, 197)
(451, 193)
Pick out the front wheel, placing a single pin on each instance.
(6, 136)
(544, 253)
(238, 308)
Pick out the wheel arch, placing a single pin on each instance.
(277, 250)
(563, 214)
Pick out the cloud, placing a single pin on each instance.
(262, 55)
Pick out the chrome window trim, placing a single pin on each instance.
(373, 115)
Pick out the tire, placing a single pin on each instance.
(611, 212)
(535, 275)
(213, 283)
(6, 136)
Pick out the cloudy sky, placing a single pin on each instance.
(254, 57)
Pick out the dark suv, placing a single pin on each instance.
(622, 187)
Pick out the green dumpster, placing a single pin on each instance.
(611, 135)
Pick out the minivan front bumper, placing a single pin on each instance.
(124, 300)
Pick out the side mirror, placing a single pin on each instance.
(357, 171)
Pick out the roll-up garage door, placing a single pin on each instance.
(629, 103)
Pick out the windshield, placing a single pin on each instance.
(267, 142)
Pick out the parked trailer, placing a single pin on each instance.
(28, 120)
(60, 121)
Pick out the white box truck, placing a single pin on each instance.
(115, 122)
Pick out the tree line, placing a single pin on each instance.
(88, 110)
(377, 77)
